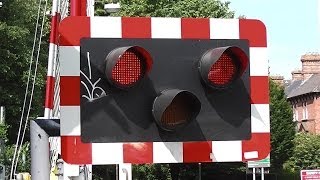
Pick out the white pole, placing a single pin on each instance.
(2, 114)
(254, 174)
(262, 173)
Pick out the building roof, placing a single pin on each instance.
(299, 87)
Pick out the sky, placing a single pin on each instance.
(293, 29)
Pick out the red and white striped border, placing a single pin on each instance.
(76, 152)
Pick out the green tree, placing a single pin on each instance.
(17, 20)
(282, 127)
(306, 153)
(175, 8)
(17, 28)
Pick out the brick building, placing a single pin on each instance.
(303, 92)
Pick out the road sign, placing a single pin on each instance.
(310, 174)
(259, 164)
(252, 144)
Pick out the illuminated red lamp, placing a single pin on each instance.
(174, 109)
(126, 66)
(220, 67)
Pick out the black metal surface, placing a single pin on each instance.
(50, 126)
(126, 115)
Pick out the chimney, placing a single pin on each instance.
(278, 80)
(310, 64)
(296, 75)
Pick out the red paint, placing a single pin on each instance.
(54, 28)
(83, 8)
(259, 142)
(197, 151)
(72, 29)
(136, 27)
(70, 90)
(75, 7)
(74, 151)
(138, 153)
(49, 92)
(195, 28)
(254, 31)
(259, 89)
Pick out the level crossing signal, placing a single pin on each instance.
(157, 90)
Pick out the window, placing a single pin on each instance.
(295, 113)
(305, 114)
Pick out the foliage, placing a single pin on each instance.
(17, 28)
(306, 153)
(7, 151)
(151, 172)
(24, 160)
(282, 127)
(17, 20)
(175, 8)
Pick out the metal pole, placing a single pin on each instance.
(262, 173)
(117, 171)
(254, 174)
(199, 171)
(40, 163)
(2, 114)
(75, 7)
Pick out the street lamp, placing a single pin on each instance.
(112, 7)
(0, 4)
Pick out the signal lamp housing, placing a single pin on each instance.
(220, 67)
(126, 66)
(175, 108)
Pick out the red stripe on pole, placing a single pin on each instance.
(75, 7)
(83, 8)
(254, 31)
(49, 92)
(259, 89)
(74, 151)
(70, 90)
(136, 27)
(54, 28)
(138, 153)
(192, 28)
(72, 29)
(259, 143)
(197, 151)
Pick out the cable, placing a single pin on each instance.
(26, 92)
(33, 84)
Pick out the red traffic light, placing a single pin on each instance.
(174, 108)
(125, 66)
(220, 67)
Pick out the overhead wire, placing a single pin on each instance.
(26, 91)
(33, 85)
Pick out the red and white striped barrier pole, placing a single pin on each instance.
(49, 98)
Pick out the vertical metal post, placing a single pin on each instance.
(40, 163)
(2, 114)
(262, 173)
(199, 171)
(117, 171)
(254, 174)
(75, 7)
